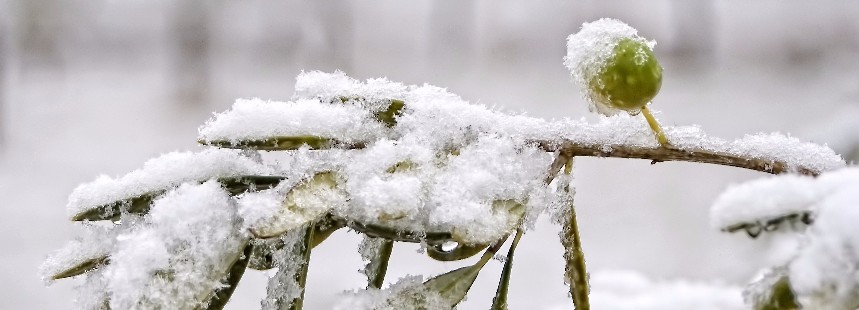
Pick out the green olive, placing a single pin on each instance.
(630, 78)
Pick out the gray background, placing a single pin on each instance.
(99, 86)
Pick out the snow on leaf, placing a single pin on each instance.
(825, 269)
(180, 254)
(80, 255)
(766, 203)
(259, 120)
(161, 173)
(305, 202)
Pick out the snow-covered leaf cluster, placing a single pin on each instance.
(393, 161)
(822, 271)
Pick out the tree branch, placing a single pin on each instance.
(661, 154)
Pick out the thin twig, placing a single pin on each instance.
(385, 249)
(576, 272)
(661, 154)
(500, 300)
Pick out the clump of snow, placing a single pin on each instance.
(180, 254)
(166, 171)
(825, 269)
(375, 94)
(822, 271)
(762, 200)
(256, 119)
(589, 49)
(95, 243)
(407, 293)
(627, 290)
(303, 203)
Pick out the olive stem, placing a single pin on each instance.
(576, 273)
(301, 277)
(500, 300)
(654, 125)
(385, 250)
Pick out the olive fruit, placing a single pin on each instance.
(629, 78)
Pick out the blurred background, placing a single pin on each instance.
(92, 87)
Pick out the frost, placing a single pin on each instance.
(407, 293)
(166, 171)
(590, 48)
(283, 287)
(369, 250)
(180, 254)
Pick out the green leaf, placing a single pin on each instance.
(84, 266)
(308, 201)
(460, 252)
(500, 300)
(389, 116)
(283, 143)
(140, 204)
(223, 294)
(262, 257)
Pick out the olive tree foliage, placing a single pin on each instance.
(405, 163)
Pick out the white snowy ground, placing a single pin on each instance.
(97, 118)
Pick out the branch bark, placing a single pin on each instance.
(662, 154)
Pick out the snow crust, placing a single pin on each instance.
(164, 172)
(588, 51)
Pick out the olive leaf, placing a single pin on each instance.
(772, 291)
(222, 295)
(448, 289)
(262, 257)
(460, 252)
(83, 265)
(140, 204)
(308, 201)
(282, 143)
(756, 228)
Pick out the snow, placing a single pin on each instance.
(306, 202)
(822, 269)
(628, 290)
(257, 119)
(825, 268)
(166, 171)
(445, 166)
(283, 287)
(95, 243)
(401, 295)
(180, 254)
(590, 48)
(762, 200)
